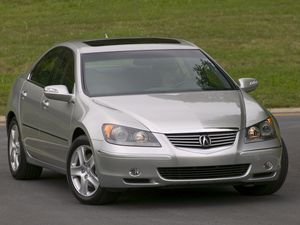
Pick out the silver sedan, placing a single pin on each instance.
(114, 114)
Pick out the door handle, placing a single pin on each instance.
(23, 94)
(45, 103)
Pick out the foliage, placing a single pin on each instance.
(254, 38)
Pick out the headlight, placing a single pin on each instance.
(121, 135)
(261, 131)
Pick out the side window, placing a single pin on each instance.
(64, 73)
(44, 69)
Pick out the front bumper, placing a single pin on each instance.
(114, 163)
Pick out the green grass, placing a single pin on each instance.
(257, 38)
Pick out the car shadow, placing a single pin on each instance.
(191, 197)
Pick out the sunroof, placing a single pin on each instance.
(128, 41)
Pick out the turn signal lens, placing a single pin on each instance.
(107, 129)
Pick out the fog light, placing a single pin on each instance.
(134, 172)
(268, 165)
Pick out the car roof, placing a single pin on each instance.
(128, 44)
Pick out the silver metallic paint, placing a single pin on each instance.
(159, 113)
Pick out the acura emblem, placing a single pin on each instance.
(204, 141)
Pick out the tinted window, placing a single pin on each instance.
(42, 72)
(64, 72)
(56, 67)
(138, 72)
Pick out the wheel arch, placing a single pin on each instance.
(9, 117)
(78, 132)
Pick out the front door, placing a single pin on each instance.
(56, 115)
(46, 123)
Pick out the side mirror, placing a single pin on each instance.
(58, 92)
(248, 84)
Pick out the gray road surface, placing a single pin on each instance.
(49, 201)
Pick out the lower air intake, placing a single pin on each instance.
(203, 172)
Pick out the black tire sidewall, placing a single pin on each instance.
(284, 165)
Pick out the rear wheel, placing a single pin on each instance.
(82, 175)
(270, 187)
(18, 165)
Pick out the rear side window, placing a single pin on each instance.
(56, 67)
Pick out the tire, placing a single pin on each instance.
(270, 187)
(82, 176)
(19, 167)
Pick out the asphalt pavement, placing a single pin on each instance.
(49, 201)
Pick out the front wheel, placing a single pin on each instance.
(82, 175)
(270, 187)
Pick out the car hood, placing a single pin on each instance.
(180, 112)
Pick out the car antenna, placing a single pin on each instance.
(106, 36)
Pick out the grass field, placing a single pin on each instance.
(257, 38)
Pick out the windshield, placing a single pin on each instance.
(152, 71)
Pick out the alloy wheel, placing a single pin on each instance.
(14, 148)
(83, 172)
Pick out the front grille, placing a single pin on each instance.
(191, 140)
(203, 172)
